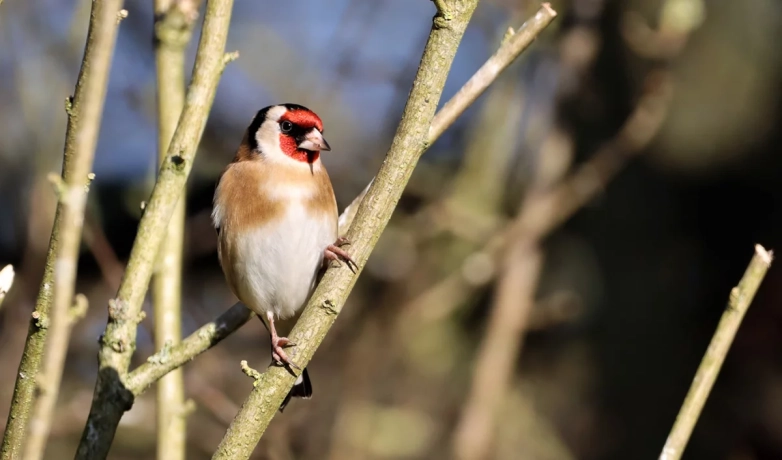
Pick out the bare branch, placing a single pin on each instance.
(740, 299)
(173, 30)
(196, 343)
(512, 46)
(85, 109)
(111, 396)
(515, 297)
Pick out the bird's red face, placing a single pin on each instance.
(288, 129)
(301, 135)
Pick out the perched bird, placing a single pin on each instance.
(276, 219)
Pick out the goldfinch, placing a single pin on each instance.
(276, 219)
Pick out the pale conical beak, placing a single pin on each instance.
(314, 141)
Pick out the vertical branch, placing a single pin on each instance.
(112, 398)
(371, 218)
(514, 300)
(740, 299)
(173, 28)
(84, 110)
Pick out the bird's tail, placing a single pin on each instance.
(302, 388)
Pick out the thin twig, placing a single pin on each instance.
(371, 218)
(506, 54)
(210, 334)
(512, 46)
(173, 30)
(207, 336)
(84, 110)
(6, 281)
(112, 398)
(740, 299)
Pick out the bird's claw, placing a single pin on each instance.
(278, 352)
(336, 253)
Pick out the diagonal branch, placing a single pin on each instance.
(59, 281)
(111, 398)
(514, 43)
(204, 338)
(225, 324)
(545, 210)
(740, 299)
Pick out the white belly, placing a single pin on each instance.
(281, 260)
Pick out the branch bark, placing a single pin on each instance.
(112, 398)
(740, 299)
(57, 288)
(174, 20)
(372, 216)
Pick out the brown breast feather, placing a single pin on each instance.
(245, 208)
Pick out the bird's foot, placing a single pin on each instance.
(278, 351)
(336, 253)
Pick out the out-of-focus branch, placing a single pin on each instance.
(740, 299)
(56, 297)
(520, 254)
(6, 281)
(212, 333)
(95, 239)
(371, 218)
(512, 46)
(174, 20)
(514, 300)
(112, 397)
(547, 209)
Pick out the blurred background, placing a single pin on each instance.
(556, 266)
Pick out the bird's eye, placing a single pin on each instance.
(286, 126)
